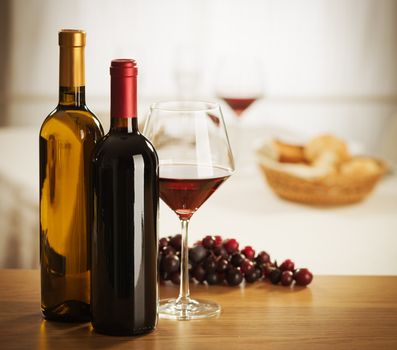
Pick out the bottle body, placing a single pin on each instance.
(124, 242)
(67, 139)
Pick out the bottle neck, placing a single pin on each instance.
(71, 76)
(72, 97)
(124, 125)
(123, 101)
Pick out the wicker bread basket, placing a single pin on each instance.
(325, 189)
(333, 190)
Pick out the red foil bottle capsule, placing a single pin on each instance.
(123, 99)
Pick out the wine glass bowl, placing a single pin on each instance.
(239, 104)
(195, 159)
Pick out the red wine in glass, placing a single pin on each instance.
(239, 104)
(184, 187)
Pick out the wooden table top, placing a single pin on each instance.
(332, 313)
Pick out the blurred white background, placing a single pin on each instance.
(328, 65)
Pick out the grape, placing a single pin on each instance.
(303, 277)
(259, 271)
(287, 265)
(215, 260)
(208, 242)
(251, 276)
(267, 269)
(196, 254)
(231, 245)
(275, 276)
(170, 263)
(169, 250)
(287, 277)
(212, 278)
(209, 264)
(249, 252)
(220, 251)
(176, 241)
(234, 277)
(163, 242)
(263, 258)
(237, 259)
(222, 265)
(218, 241)
(246, 266)
(198, 273)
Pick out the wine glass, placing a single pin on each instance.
(239, 81)
(195, 159)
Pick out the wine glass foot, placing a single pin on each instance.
(188, 309)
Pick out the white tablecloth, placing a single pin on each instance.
(355, 239)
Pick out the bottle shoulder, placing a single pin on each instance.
(60, 122)
(120, 145)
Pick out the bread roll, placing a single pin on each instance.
(288, 153)
(327, 150)
(360, 167)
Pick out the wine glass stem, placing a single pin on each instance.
(184, 292)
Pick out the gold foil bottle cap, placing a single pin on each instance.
(72, 38)
(72, 46)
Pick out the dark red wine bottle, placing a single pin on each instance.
(124, 290)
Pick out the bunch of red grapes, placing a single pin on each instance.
(217, 261)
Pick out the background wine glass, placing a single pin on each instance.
(195, 159)
(239, 81)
